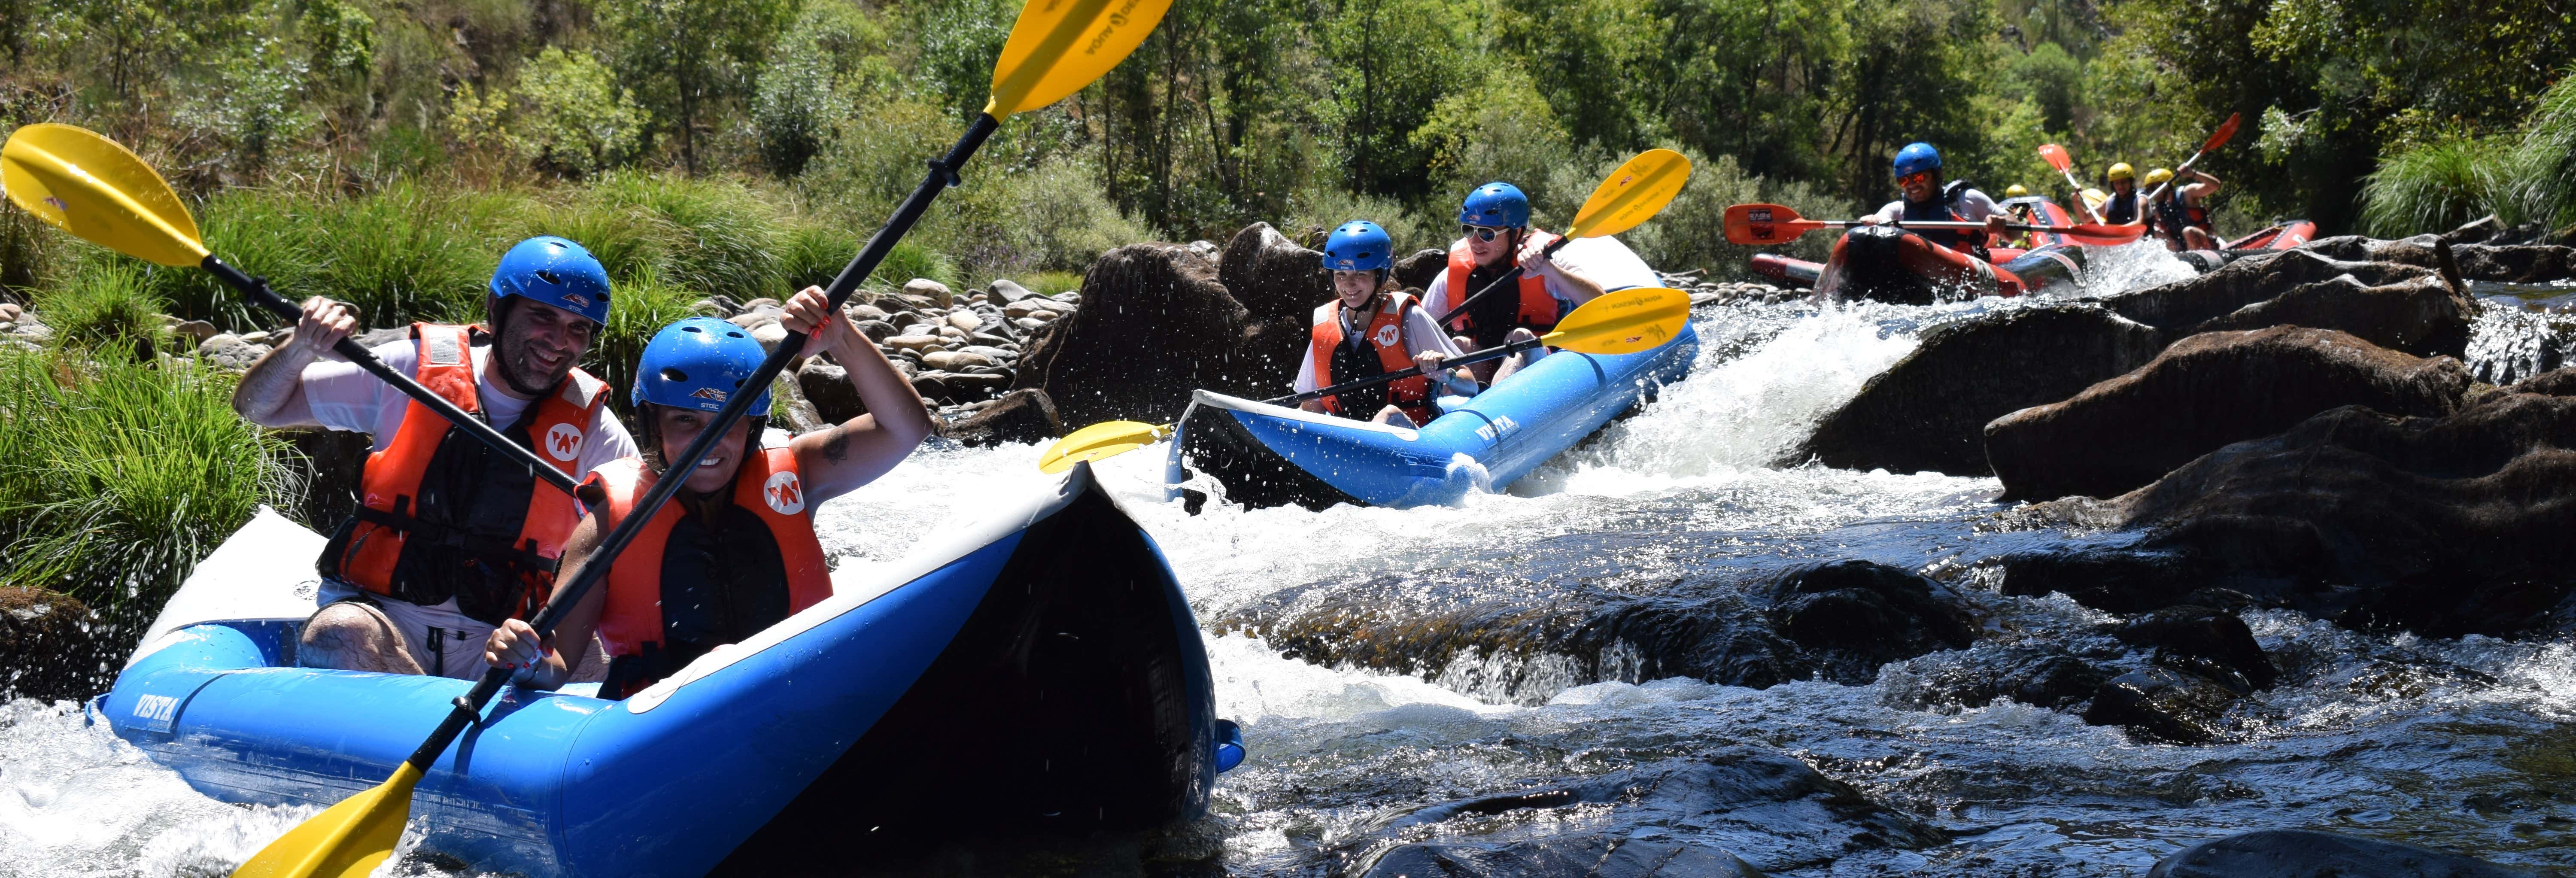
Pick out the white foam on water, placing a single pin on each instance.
(2133, 266)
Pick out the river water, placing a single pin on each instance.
(2463, 744)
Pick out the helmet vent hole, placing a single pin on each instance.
(691, 329)
(671, 374)
(549, 277)
(733, 335)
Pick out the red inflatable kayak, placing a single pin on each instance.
(1890, 264)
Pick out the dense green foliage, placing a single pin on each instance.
(117, 476)
(735, 145)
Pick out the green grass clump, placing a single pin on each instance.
(1048, 283)
(815, 254)
(722, 237)
(2436, 187)
(104, 309)
(264, 232)
(401, 255)
(116, 477)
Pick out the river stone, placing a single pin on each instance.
(1157, 325)
(2202, 393)
(954, 360)
(228, 351)
(1857, 615)
(996, 354)
(1417, 270)
(195, 331)
(49, 650)
(933, 387)
(866, 312)
(875, 330)
(937, 293)
(2522, 264)
(965, 321)
(770, 335)
(2392, 305)
(1929, 411)
(911, 342)
(1008, 291)
(1017, 416)
(1028, 324)
(1770, 809)
(1030, 308)
(2161, 706)
(2307, 853)
(2442, 526)
(2203, 640)
(827, 389)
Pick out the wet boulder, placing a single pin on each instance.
(1417, 271)
(2161, 706)
(2504, 263)
(2204, 392)
(2555, 382)
(1839, 620)
(1156, 321)
(1772, 810)
(1276, 280)
(2393, 305)
(49, 650)
(1018, 416)
(2203, 640)
(2442, 526)
(1928, 412)
(2306, 853)
(2037, 675)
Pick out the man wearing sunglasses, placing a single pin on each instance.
(1495, 243)
(1918, 265)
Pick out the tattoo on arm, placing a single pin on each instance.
(837, 448)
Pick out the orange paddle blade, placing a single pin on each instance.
(2057, 157)
(1757, 224)
(2225, 130)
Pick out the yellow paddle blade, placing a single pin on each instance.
(1105, 439)
(1634, 193)
(1623, 322)
(93, 187)
(347, 840)
(1059, 46)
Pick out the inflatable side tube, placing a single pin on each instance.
(1797, 273)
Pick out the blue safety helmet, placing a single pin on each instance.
(699, 363)
(1916, 158)
(1359, 245)
(1496, 205)
(557, 272)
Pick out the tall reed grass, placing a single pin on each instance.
(116, 477)
(104, 309)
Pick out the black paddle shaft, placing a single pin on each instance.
(1492, 353)
(1550, 250)
(257, 291)
(943, 174)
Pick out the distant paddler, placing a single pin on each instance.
(450, 538)
(735, 551)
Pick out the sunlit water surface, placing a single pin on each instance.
(2388, 736)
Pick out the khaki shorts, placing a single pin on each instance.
(445, 643)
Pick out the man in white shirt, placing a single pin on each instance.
(1369, 329)
(1497, 240)
(451, 537)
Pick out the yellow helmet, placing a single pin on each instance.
(2015, 191)
(2159, 177)
(2122, 171)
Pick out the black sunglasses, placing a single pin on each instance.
(1482, 233)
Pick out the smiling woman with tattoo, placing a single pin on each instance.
(735, 551)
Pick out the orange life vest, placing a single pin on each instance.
(658, 573)
(1537, 309)
(440, 515)
(1386, 334)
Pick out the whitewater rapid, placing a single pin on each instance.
(2359, 735)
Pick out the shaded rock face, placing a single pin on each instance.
(2443, 526)
(1418, 270)
(1019, 416)
(827, 389)
(47, 649)
(1157, 321)
(2517, 263)
(1839, 620)
(2202, 393)
(2303, 853)
(2215, 643)
(1929, 411)
(1771, 810)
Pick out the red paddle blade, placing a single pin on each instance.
(2225, 130)
(2056, 156)
(1756, 224)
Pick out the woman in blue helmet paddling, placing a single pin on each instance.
(450, 538)
(1371, 328)
(734, 551)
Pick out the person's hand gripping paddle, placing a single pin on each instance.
(1633, 194)
(1056, 48)
(2065, 165)
(1773, 224)
(1622, 322)
(98, 190)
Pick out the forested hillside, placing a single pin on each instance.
(1303, 112)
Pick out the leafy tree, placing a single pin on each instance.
(1389, 64)
(832, 58)
(690, 63)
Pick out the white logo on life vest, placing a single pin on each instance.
(1386, 336)
(563, 442)
(785, 494)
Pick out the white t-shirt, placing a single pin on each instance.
(1601, 260)
(345, 397)
(1420, 335)
(1973, 205)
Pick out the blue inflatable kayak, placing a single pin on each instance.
(1268, 455)
(1038, 671)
